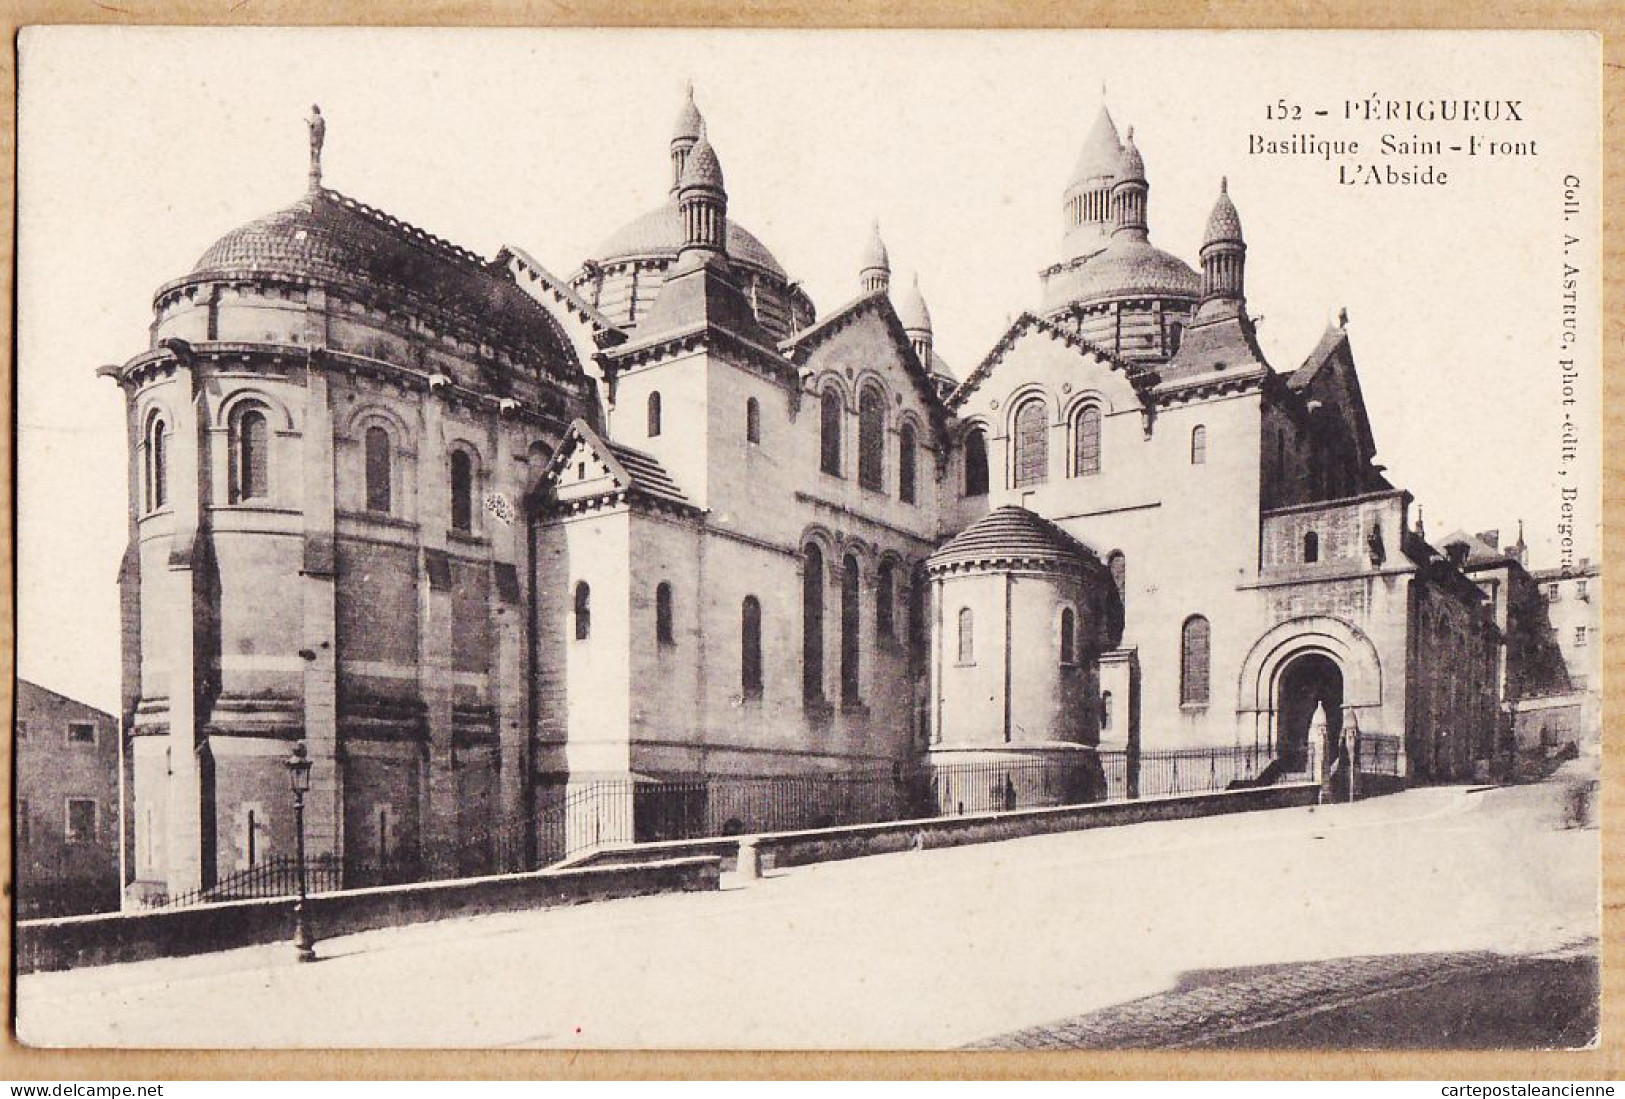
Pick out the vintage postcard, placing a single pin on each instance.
(808, 540)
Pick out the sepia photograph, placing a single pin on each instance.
(808, 540)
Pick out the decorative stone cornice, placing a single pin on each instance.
(1142, 378)
(799, 347)
(1218, 385)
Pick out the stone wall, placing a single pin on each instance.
(103, 940)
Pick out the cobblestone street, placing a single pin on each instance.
(1268, 1005)
(1345, 925)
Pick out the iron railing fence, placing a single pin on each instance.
(1377, 754)
(611, 812)
(1204, 770)
(272, 877)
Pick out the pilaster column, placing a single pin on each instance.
(437, 823)
(183, 847)
(508, 672)
(324, 805)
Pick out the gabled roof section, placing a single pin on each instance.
(532, 276)
(626, 472)
(1142, 378)
(1214, 350)
(798, 347)
(1331, 357)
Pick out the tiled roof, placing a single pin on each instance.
(1133, 267)
(1012, 533)
(659, 233)
(1224, 223)
(1334, 337)
(702, 168)
(328, 236)
(647, 473)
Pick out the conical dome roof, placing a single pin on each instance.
(1101, 150)
(703, 168)
(1223, 224)
(875, 256)
(690, 125)
(1130, 165)
(911, 310)
(1008, 534)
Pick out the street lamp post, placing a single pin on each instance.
(298, 765)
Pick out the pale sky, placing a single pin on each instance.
(139, 147)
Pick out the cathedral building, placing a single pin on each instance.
(493, 542)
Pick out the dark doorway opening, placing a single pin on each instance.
(1307, 683)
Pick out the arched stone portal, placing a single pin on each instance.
(1302, 662)
(1306, 682)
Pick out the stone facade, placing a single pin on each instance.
(661, 524)
(67, 830)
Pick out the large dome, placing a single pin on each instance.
(659, 233)
(1128, 268)
(328, 237)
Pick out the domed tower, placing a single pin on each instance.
(1129, 193)
(702, 197)
(685, 135)
(329, 437)
(1130, 297)
(874, 271)
(1086, 205)
(1224, 252)
(623, 276)
(1023, 611)
(916, 320)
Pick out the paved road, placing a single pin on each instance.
(928, 949)
(1451, 1000)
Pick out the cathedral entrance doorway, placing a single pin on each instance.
(1308, 684)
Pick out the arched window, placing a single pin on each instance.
(812, 625)
(663, 627)
(583, 611)
(886, 601)
(1105, 709)
(250, 457)
(462, 491)
(377, 446)
(1176, 333)
(1195, 642)
(976, 462)
(967, 636)
(872, 440)
(654, 414)
(157, 464)
(1069, 636)
(1031, 465)
(1086, 441)
(750, 647)
(1117, 565)
(905, 464)
(1311, 548)
(829, 432)
(850, 614)
(1199, 445)
(753, 421)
